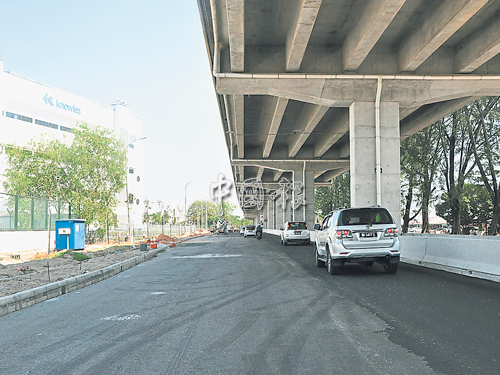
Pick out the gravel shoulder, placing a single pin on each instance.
(28, 274)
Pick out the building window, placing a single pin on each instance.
(18, 117)
(47, 124)
(65, 129)
(131, 170)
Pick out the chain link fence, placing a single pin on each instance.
(139, 233)
(19, 213)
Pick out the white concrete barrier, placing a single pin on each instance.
(277, 232)
(475, 256)
(414, 251)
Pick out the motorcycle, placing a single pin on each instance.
(258, 235)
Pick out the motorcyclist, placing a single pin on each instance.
(258, 231)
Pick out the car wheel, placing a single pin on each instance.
(391, 267)
(332, 270)
(319, 262)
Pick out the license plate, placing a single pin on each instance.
(297, 232)
(367, 235)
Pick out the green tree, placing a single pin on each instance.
(486, 114)
(476, 206)
(409, 177)
(88, 173)
(327, 198)
(39, 170)
(457, 163)
(97, 161)
(420, 158)
(200, 210)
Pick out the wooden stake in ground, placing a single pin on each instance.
(48, 270)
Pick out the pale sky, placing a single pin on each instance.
(149, 53)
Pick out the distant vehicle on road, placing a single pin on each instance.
(242, 230)
(357, 235)
(249, 231)
(295, 231)
(222, 226)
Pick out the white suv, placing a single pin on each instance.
(357, 235)
(295, 231)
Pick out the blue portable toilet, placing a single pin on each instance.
(70, 234)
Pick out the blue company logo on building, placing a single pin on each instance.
(71, 108)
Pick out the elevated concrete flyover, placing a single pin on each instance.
(341, 82)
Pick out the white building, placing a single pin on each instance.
(30, 109)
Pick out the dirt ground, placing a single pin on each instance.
(18, 276)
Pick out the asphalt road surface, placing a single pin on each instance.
(229, 305)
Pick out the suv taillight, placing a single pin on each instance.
(344, 233)
(391, 232)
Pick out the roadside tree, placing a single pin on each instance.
(486, 114)
(337, 195)
(457, 132)
(88, 173)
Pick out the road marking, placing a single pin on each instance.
(157, 293)
(122, 318)
(204, 256)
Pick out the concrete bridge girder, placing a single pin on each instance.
(342, 92)
(318, 80)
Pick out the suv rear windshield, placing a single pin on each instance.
(365, 216)
(297, 225)
(251, 227)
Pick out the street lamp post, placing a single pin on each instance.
(161, 210)
(185, 201)
(126, 187)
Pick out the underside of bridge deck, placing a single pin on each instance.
(317, 87)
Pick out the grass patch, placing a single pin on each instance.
(79, 257)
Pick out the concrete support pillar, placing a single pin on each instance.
(262, 214)
(279, 214)
(305, 212)
(363, 156)
(269, 212)
(269, 203)
(288, 213)
(273, 214)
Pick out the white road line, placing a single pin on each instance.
(122, 318)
